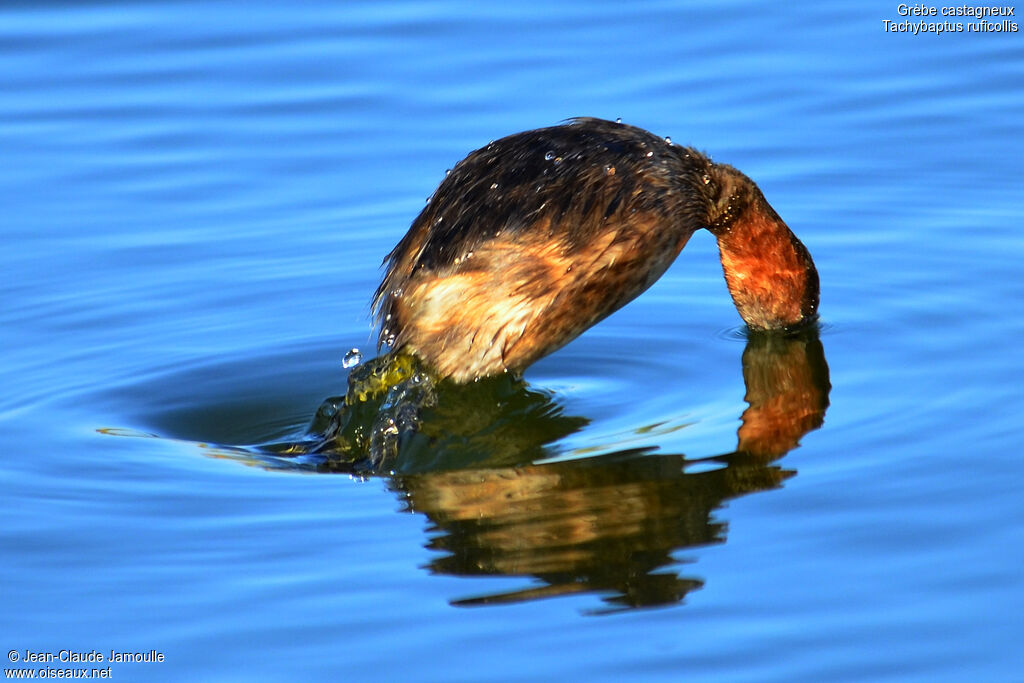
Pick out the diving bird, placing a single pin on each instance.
(535, 237)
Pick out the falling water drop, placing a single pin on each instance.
(351, 359)
(549, 156)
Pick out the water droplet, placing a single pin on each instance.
(609, 170)
(668, 139)
(549, 156)
(447, 171)
(351, 359)
(494, 186)
(650, 154)
(558, 160)
(706, 179)
(619, 120)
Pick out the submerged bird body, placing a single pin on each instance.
(538, 236)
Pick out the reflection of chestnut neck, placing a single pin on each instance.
(787, 392)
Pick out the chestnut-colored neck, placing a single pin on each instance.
(770, 274)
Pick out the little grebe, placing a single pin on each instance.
(536, 237)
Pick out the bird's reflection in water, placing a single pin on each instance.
(608, 524)
(604, 524)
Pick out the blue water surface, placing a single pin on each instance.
(196, 200)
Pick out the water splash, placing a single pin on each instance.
(381, 410)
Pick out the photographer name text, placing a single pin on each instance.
(89, 657)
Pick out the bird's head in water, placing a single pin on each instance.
(770, 274)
